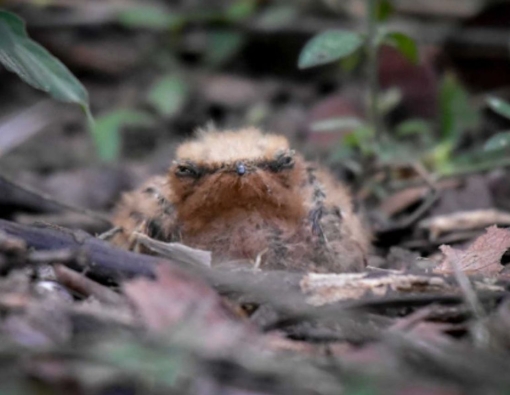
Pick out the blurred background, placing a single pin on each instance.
(157, 70)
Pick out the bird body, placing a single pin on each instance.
(245, 195)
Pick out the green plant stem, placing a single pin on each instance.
(372, 67)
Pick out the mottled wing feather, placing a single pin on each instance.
(146, 210)
(344, 239)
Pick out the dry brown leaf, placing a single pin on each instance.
(175, 296)
(194, 311)
(482, 257)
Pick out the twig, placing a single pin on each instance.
(50, 199)
(175, 251)
(480, 332)
(85, 286)
(109, 233)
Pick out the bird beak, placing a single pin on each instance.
(240, 169)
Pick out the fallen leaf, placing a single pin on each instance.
(194, 312)
(173, 297)
(482, 257)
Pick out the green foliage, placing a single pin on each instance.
(149, 17)
(384, 10)
(500, 141)
(222, 46)
(106, 130)
(240, 10)
(36, 66)
(336, 124)
(168, 95)
(456, 113)
(412, 127)
(329, 46)
(404, 44)
(499, 106)
(277, 15)
(334, 45)
(156, 365)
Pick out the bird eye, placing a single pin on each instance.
(281, 162)
(286, 161)
(186, 171)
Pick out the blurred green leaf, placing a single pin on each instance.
(336, 124)
(36, 66)
(389, 100)
(168, 95)
(149, 17)
(498, 142)
(222, 46)
(329, 46)
(456, 113)
(499, 106)
(440, 156)
(350, 62)
(341, 153)
(412, 127)
(361, 138)
(404, 44)
(384, 10)
(390, 151)
(241, 9)
(106, 130)
(156, 365)
(277, 15)
(474, 161)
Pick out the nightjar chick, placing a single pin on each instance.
(244, 194)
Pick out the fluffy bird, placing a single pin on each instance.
(247, 196)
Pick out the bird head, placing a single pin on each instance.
(222, 171)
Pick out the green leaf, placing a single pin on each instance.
(456, 112)
(277, 15)
(160, 366)
(499, 106)
(498, 142)
(404, 44)
(149, 17)
(106, 130)
(240, 10)
(168, 95)
(384, 10)
(389, 100)
(413, 127)
(328, 47)
(35, 65)
(336, 124)
(222, 46)
(350, 62)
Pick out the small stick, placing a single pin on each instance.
(85, 286)
(50, 199)
(480, 333)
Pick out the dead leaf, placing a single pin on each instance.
(482, 257)
(175, 296)
(197, 314)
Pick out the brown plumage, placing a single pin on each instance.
(244, 194)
